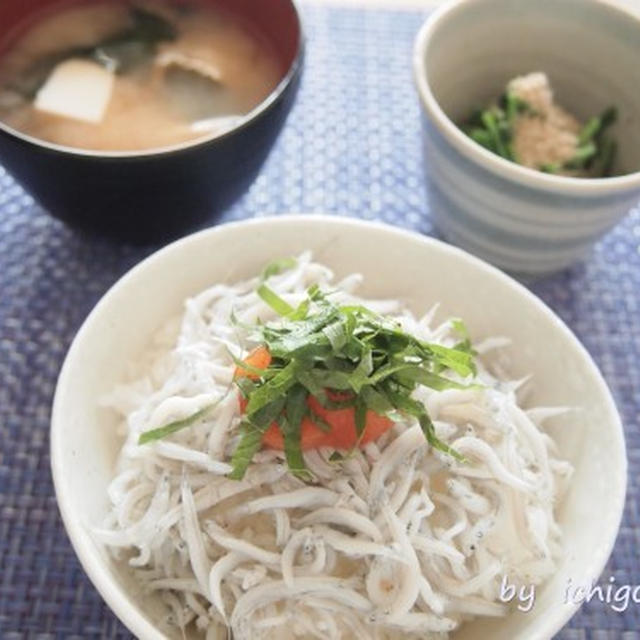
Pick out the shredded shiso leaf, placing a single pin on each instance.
(342, 355)
(276, 267)
(322, 347)
(172, 427)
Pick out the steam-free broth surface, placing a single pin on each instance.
(123, 77)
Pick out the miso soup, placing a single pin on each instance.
(117, 76)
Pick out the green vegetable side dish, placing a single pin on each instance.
(497, 127)
(341, 356)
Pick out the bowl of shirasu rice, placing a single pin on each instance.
(394, 538)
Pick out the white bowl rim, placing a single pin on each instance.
(80, 538)
(485, 158)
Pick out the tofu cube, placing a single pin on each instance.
(76, 89)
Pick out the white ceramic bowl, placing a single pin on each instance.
(395, 263)
(518, 218)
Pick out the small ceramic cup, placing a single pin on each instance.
(520, 219)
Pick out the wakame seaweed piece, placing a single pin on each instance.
(151, 27)
(119, 58)
(136, 44)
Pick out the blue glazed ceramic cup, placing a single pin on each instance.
(520, 219)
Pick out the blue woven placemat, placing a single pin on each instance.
(351, 147)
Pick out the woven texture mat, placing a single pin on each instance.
(351, 147)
